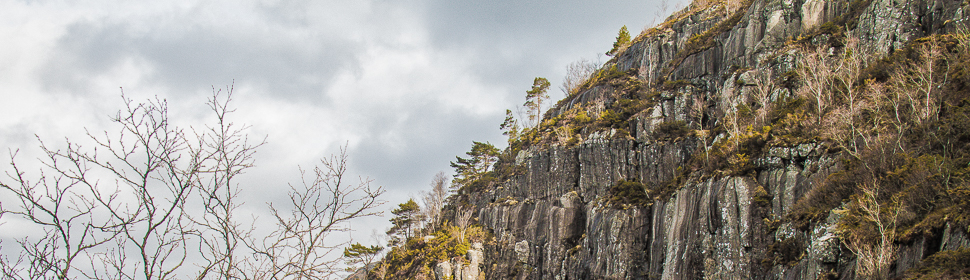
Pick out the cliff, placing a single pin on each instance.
(700, 151)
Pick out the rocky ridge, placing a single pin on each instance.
(552, 222)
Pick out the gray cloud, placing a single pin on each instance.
(430, 137)
(408, 84)
(512, 39)
(198, 58)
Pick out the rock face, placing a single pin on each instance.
(551, 223)
(445, 270)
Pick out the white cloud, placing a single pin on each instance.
(407, 85)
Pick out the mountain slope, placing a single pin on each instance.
(748, 140)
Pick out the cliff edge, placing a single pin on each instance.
(764, 139)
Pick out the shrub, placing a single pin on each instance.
(675, 84)
(628, 193)
(609, 119)
(953, 264)
(786, 252)
(417, 257)
(581, 118)
(671, 130)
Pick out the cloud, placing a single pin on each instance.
(406, 85)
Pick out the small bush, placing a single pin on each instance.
(581, 119)
(740, 164)
(675, 84)
(786, 252)
(609, 119)
(762, 198)
(788, 79)
(954, 264)
(628, 193)
(671, 130)
(418, 257)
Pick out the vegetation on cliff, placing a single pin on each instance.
(896, 129)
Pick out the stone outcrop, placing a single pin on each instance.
(551, 222)
(446, 270)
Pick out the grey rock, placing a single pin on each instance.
(522, 251)
(712, 226)
(442, 271)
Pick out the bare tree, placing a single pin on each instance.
(153, 170)
(576, 75)
(875, 258)
(221, 235)
(763, 87)
(299, 248)
(917, 81)
(732, 120)
(463, 220)
(58, 205)
(120, 209)
(9, 269)
(434, 200)
(659, 13)
(816, 77)
(842, 125)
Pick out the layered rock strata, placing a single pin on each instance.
(551, 222)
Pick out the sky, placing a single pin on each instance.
(406, 85)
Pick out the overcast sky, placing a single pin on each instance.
(406, 84)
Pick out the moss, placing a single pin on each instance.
(851, 18)
(785, 252)
(826, 34)
(954, 264)
(666, 189)
(418, 256)
(762, 198)
(788, 79)
(606, 74)
(814, 207)
(671, 130)
(628, 193)
(673, 85)
(707, 39)
(740, 165)
(573, 141)
(788, 122)
(834, 30)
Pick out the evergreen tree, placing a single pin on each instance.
(362, 255)
(480, 159)
(622, 41)
(406, 218)
(534, 98)
(510, 127)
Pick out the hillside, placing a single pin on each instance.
(759, 139)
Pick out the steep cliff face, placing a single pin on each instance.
(555, 220)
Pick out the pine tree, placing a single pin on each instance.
(480, 159)
(622, 41)
(510, 127)
(535, 97)
(362, 255)
(406, 218)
